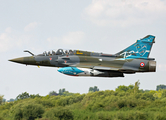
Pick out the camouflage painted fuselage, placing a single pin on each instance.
(84, 63)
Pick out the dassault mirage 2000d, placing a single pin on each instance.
(134, 58)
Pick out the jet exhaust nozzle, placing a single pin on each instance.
(152, 66)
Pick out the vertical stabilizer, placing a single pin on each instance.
(140, 49)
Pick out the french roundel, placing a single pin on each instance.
(142, 64)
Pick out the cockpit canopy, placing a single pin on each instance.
(58, 52)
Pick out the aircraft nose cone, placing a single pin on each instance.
(17, 60)
(24, 60)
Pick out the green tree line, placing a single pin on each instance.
(123, 103)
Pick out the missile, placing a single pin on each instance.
(76, 71)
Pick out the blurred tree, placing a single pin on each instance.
(59, 113)
(26, 111)
(11, 100)
(125, 88)
(4, 100)
(163, 94)
(53, 93)
(136, 87)
(93, 89)
(159, 87)
(63, 90)
(131, 86)
(1, 99)
(60, 92)
(23, 96)
(147, 90)
(122, 88)
(67, 93)
(33, 95)
(147, 96)
(31, 111)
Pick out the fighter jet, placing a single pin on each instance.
(133, 59)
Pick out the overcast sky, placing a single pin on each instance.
(93, 25)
